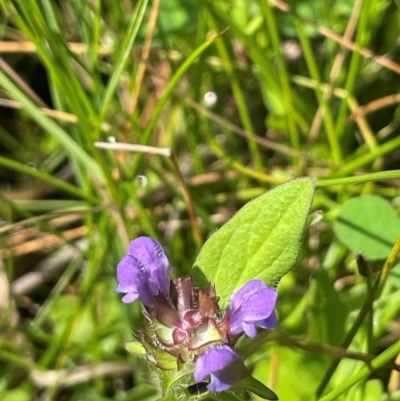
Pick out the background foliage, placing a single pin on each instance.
(247, 94)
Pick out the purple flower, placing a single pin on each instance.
(253, 305)
(143, 272)
(223, 365)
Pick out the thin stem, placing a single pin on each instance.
(198, 236)
(358, 179)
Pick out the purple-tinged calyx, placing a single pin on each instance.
(223, 365)
(143, 272)
(250, 307)
(184, 324)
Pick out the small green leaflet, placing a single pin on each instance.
(261, 241)
(369, 225)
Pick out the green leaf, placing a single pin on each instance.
(261, 241)
(256, 387)
(368, 225)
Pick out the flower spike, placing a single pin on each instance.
(185, 334)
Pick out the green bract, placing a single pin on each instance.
(261, 241)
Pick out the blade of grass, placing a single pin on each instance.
(367, 158)
(249, 172)
(20, 361)
(335, 71)
(57, 290)
(168, 92)
(95, 51)
(145, 55)
(366, 307)
(359, 179)
(353, 70)
(239, 96)
(283, 74)
(48, 205)
(387, 355)
(64, 186)
(327, 116)
(52, 128)
(175, 167)
(123, 56)
(265, 67)
(56, 56)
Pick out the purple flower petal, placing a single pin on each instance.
(129, 297)
(223, 365)
(143, 272)
(151, 254)
(268, 323)
(249, 328)
(252, 305)
(133, 280)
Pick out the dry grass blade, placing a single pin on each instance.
(145, 55)
(29, 47)
(78, 375)
(336, 68)
(375, 105)
(46, 270)
(4, 66)
(56, 114)
(44, 242)
(128, 147)
(380, 60)
(8, 315)
(261, 141)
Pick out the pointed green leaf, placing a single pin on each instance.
(135, 348)
(256, 387)
(261, 241)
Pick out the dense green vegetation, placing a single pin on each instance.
(231, 98)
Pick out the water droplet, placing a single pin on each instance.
(210, 99)
(142, 180)
(31, 165)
